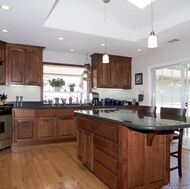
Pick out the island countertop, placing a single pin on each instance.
(138, 121)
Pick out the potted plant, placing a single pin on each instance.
(57, 83)
(71, 86)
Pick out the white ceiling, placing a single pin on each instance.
(82, 24)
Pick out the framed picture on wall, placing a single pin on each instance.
(138, 79)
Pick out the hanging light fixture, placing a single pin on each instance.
(105, 58)
(87, 72)
(152, 39)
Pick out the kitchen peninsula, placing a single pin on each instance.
(126, 149)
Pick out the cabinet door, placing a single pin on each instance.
(116, 72)
(24, 130)
(85, 147)
(67, 128)
(80, 142)
(126, 73)
(88, 150)
(33, 73)
(2, 62)
(47, 128)
(16, 66)
(100, 72)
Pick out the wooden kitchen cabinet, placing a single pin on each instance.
(35, 126)
(24, 64)
(116, 74)
(24, 129)
(2, 62)
(85, 144)
(47, 128)
(66, 124)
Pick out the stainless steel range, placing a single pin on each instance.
(5, 126)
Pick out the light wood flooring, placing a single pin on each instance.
(56, 167)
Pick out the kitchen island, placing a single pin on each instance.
(125, 149)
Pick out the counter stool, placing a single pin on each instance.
(150, 109)
(179, 113)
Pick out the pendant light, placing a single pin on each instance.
(87, 72)
(152, 39)
(105, 58)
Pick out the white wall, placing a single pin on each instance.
(171, 54)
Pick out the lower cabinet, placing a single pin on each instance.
(46, 124)
(97, 149)
(47, 128)
(85, 147)
(24, 126)
(66, 124)
(39, 126)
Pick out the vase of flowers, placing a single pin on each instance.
(57, 84)
(71, 86)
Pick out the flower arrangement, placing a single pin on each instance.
(72, 85)
(57, 82)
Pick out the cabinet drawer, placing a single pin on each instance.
(69, 112)
(85, 124)
(109, 131)
(106, 146)
(106, 175)
(24, 113)
(45, 113)
(108, 161)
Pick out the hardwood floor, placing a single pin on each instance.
(56, 167)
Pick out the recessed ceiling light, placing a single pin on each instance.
(4, 30)
(71, 50)
(140, 3)
(5, 7)
(139, 50)
(60, 38)
(103, 44)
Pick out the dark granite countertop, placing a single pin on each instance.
(41, 105)
(134, 120)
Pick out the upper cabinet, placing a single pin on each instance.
(2, 61)
(116, 74)
(24, 65)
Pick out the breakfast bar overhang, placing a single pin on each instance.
(125, 149)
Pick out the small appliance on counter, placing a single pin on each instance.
(95, 99)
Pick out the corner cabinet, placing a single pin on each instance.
(116, 74)
(24, 65)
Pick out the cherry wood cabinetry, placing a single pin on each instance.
(40, 126)
(116, 74)
(85, 144)
(46, 124)
(24, 64)
(24, 129)
(66, 124)
(2, 61)
(120, 157)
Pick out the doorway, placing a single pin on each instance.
(171, 88)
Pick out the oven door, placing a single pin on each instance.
(5, 131)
